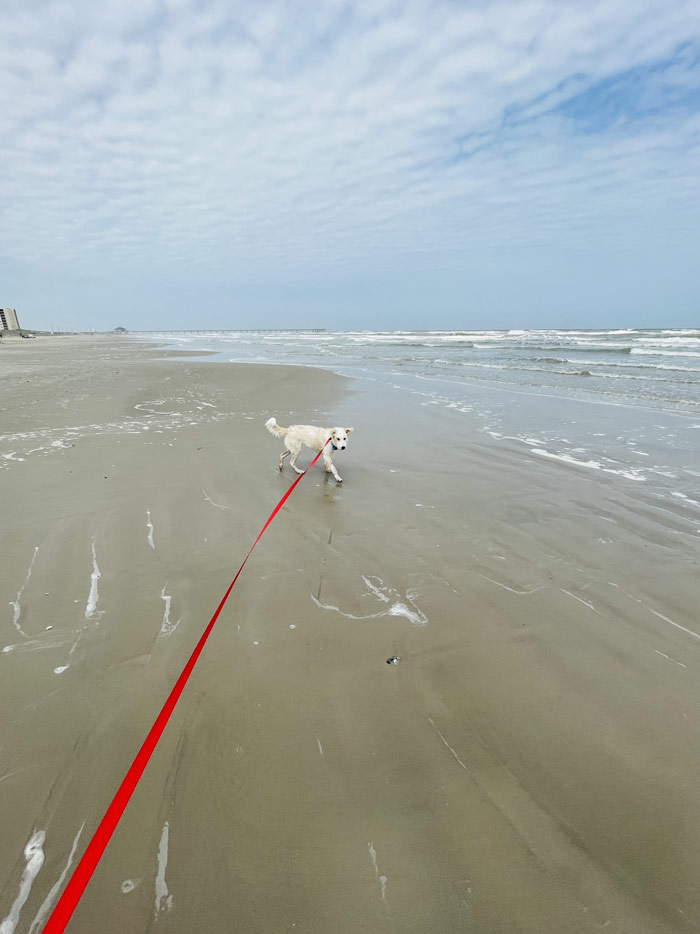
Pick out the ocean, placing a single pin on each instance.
(623, 402)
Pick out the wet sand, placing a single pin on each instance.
(531, 763)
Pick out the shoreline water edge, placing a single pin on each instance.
(533, 387)
(518, 532)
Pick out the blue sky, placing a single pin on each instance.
(523, 163)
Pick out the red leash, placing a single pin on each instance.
(72, 893)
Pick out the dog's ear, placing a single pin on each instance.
(348, 430)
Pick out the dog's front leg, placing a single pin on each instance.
(330, 466)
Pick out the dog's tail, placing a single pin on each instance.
(275, 429)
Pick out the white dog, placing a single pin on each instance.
(296, 436)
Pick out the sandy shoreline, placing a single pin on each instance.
(530, 765)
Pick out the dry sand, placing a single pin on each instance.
(530, 765)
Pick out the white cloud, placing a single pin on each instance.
(278, 137)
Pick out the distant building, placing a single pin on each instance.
(8, 320)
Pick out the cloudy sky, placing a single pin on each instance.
(453, 163)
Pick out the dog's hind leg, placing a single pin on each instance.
(282, 457)
(293, 461)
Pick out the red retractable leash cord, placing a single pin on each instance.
(72, 893)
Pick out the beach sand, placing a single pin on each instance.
(531, 763)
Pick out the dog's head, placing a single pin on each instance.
(339, 438)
